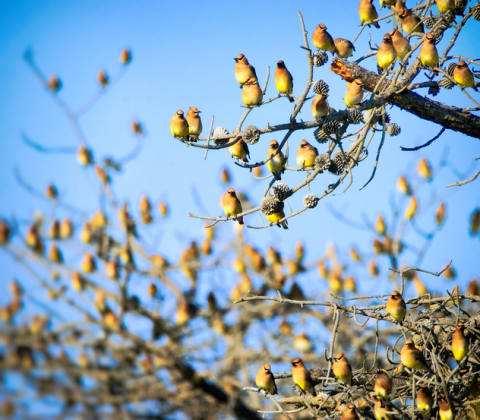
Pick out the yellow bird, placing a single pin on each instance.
(428, 52)
(354, 94)
(396, 306)
(400, 44)
(322, 39)
(424, 401)
(265, 379)
(411, 357)
(276, 217)
(341, 369)
(349, 412)
(343, 47)
(239, 150)
(306, 155)
(368, 13)
(444, 410)
(231, 205)
(301, 376)
(320, 107)
(252, 95)
(382, 410)
(459, 342)
(179, 125)
(386, 54)
(409, 21)
(243, 69)
(194, 122)
(283, 80)
(276, 165)
(463, 76)
(445, 5)
(383, 384)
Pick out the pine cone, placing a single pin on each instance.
(393, 129)
(476, 11)
(251, 134)
(330, 127)
(310, 201)
(320, 135)
(379, 117)
(323, 162)
(429, 22)
(338, 164)
(280, 191)
(451, 68)
(355, 116)
(270, 205)
(321, 88)
(219, 132)
(460, 6)
(319, 58)
(446, 83)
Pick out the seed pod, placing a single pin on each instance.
(126, 56)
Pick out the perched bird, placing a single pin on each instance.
(343, 47)
(382, 410)
(463, 76)
(445, 5)
(301, 377)
(341, 369)
(459, 342)
(265, 379)
(194, 122)
(386, 54)
(400, 44)
(239, 150)
(322, 39)
(276, 165)
(444, 410)
(396, 306)
(306, 155)
(410, 22)
(302, 343)
(276, 216)
(231, 205)
(243, 69)
(412, 357)
(179, 125)
(354, 94)
(428, 52)
(349, 413)
(383, 384)
(252, 95)
(320, 107)
(283, 80)
(368, 13)
(397, 7)
(424, 401)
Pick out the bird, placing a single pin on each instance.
(243, 69)
(397, 7)
(283, 80)
(265, 379)
(276, 165)
(424, 401)
(396, 306)
(354, 94)
(382, 410)
(306, 155)
(459, 342)
(387, 3)
(368, 13)
(343, 47)
(322, 39)
(445, 5)
(463, 76)
(276, 216)
(320, 107)
(409, 21)
(252, 95)
(341, 369)
(428, 52)
(349, 412)
(179, 125)
(386, 54)
(239, 150)
(194, 122)
(383, 384)
(231, 205)
(444, 410)
(400, 44)
(301, 377)
(411, 357)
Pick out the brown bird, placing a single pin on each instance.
(231, 205)
(396, 306)
(322, 39)
(252, 95)
(444, 410)
(368, 13)
(179, 125)
(400, 44)
(194, 122)
(243, 69)
(397, 8)
(412, 357)
(343, 47)
(428, 52)
(341, 369)
(410, 21)
(459, 342)
(301, 377)
(320, 107)
(306, 155)
(424, 401)
(239, 150)
(276, 165)
(383, 384)
(386, 54)
(349, 412)
(283, 80)
(463, 76)
(354, 94)
(265, 379)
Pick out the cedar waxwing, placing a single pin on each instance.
(179, 125)
(320, 107)
(301, 377)
(410, 22)
(383, 384)
(424, 401)
(444, 409)
(382, 410)
(424, 168)
(252, 95)
(243, 69)
(275, 165)
(412, 208)
(343, 47)
(283, 80)
(306, 155)
(194, 122)
(354, 94)
(302, 343)
(380, 225)
(265, 379)
(396, 306)
(368, 13)
(459, 342)
(322, 39)
(341, 369)
(412, 357)
(463, 76)
(400, 44)
(231, 205)
(239, 150)
(387, 3)
(403, 186)
(428, 52)
(397, 8)
(349, 412)
(445, 5)
(386, 54)
(277, 216)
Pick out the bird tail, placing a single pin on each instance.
(290, 98)
(240, 220)
(284, 224)
(376, 25)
